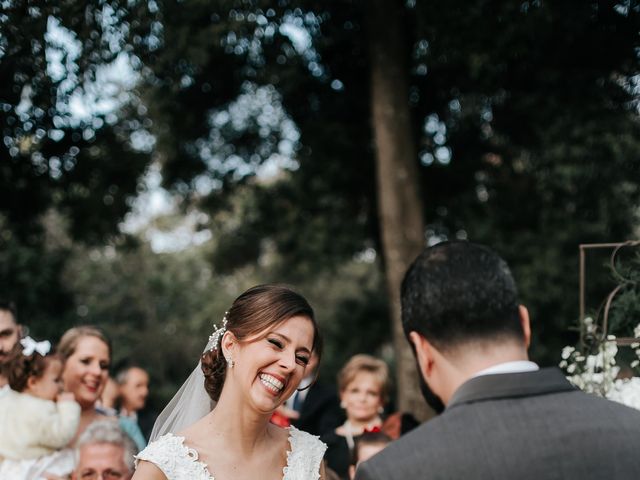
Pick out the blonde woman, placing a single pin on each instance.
(363, 385)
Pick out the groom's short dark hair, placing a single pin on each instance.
(457, 292)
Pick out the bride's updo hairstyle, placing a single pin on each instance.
(252, 316)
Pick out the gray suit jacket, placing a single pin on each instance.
(517, 426)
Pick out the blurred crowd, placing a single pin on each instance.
(63, 416)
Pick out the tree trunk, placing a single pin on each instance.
(399, 205)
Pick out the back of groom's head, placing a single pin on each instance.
(459, 292)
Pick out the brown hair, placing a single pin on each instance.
(365, 363)
(19, 368)
(10, 307)
(255, 311)
(69, 341)
(368, 438)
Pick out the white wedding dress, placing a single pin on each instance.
(179, 462)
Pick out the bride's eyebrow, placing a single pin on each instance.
(288, 340)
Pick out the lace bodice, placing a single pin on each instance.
(179, 462)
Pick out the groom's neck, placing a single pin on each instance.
(466, 361)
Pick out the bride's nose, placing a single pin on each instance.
(288, 360)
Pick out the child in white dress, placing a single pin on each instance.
(36, 418)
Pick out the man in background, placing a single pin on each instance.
(134, 390)
(10, 333)
(103, 452)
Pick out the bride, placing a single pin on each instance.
(251, 365)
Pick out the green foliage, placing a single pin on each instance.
(31, 277)
(52, 156)
(525, 114)
(56, 157)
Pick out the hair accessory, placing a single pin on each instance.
(218, 332)
(29, 345)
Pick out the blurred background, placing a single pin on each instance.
(160, 157)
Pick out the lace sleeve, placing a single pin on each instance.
(174, 459)
(303, 460)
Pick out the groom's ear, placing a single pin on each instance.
(424, 353)
(525, 324)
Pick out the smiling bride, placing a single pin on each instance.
(250, 366)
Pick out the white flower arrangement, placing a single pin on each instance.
(598, 373)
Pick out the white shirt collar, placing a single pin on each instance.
(517, 366)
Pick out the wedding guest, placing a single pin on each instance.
(369, 444)
(10, 333)
(87, 353)
(133, 385)
(363, 386)
(503, 417)
(104, 452)
(36, 419)
(133, 389)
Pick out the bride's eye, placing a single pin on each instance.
(303, 360)
(275, 342)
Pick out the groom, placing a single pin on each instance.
(505, 418)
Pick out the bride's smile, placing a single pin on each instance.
(272, 383)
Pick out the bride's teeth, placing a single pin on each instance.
(271, 382)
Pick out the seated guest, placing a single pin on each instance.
(366, 447)
(363, 385)
(37, 420)
(104, 452)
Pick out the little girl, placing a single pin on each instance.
(36, 418)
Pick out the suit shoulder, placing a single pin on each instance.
(608, 407)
